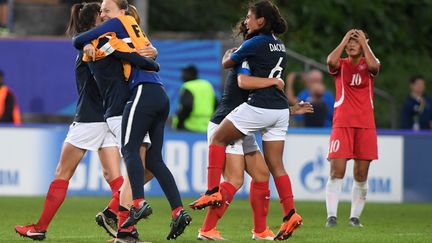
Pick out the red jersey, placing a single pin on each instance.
(354, 95)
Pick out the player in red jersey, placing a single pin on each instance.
(353, 132)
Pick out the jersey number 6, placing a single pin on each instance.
(276, 72)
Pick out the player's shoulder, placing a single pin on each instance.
(126, 17)
(250, 44)
(251, 41)
(258, 39)
(127, 20)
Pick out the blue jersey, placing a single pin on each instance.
(232, 97)
(329, 100)
(115, 25)
(263, 56)
(108, 73)
(89, 106)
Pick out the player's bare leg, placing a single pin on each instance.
(234, 170)
(110, 161)
(69, 159)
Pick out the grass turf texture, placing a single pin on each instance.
(75, 221)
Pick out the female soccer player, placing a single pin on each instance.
(116, 94)
(146, 111)
(244, 155)
(89, 131)
(353, 133)
(110, 79)
(266, 109)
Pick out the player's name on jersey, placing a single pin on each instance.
(277, 47)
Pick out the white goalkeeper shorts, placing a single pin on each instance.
(272, 123)
(90, 135)
(242, 146)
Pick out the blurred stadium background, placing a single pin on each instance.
(38, 59)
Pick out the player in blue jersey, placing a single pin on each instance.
(266, 110)
(117, 102)
(243, 155)
(146, 111)
(115, 93)
(89, 131)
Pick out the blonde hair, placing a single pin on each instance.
(122, 4)
(132, 11)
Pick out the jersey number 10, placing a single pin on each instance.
(356, 80)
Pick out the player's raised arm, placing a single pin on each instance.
(333, 57)
(112, 25)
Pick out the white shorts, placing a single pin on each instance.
(114, 125)
(272, 123)
(90, 135)
(242, 146)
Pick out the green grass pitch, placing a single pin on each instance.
(75, 221)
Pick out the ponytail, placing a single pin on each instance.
(83, 17)
(132, 11)
(280, 26)
(73, 25)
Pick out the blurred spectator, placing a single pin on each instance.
(9, 111)
(4, 15)
(319, 116)
(197, 102)
(417, 108)
(315, 93)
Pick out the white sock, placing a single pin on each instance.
(359, 192)
(333, 190)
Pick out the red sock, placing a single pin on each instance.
(259, 198)
(115, 185)
(176, 211)
(54, 199)
(114, 203)
(283, 186)
(215, 213)
(123, 213)
(216, 162)
(136, 202)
